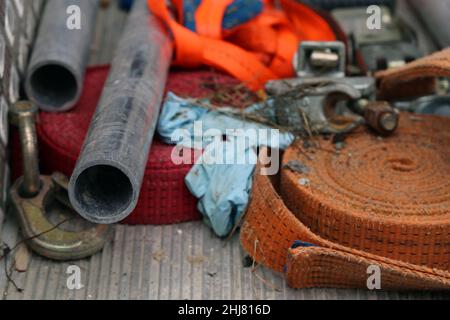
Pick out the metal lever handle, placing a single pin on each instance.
(23, 115)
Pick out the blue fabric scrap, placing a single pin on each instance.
(302, 244)
(221, 178)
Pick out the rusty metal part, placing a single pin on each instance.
(48, 239)
(312, 108)
(319, 100)
(106, 182)
(381, 117)
(365, 85)
(32, 195)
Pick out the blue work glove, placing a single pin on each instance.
(237, 13)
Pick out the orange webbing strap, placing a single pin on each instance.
(259, 50)
(345, 217)
(270, 228)
(415, 78)
(209, 18)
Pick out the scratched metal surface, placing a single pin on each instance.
(183, 261)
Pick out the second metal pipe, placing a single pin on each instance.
(105, 185)
(56, 70)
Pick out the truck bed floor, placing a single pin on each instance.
(185, 261)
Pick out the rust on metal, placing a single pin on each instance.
(381, 117)
(32, 195)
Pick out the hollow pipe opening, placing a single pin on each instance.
(103, 194)
(53, 87)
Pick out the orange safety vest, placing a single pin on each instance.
(259, 50)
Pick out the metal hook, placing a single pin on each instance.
(32, 194)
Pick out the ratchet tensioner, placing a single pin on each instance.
(323, 100)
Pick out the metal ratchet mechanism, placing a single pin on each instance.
(314, 102)
(32, 195)
(324, 99)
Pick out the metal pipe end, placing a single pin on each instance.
(53, 86)
(103, 193)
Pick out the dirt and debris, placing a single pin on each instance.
(339, 137)
(230, 94)
(159, 255)
(296, 166)
(304, 182)
(22, 258)
(200, 259)
(340, 145)
(247, 262)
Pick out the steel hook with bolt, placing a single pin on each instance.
(33, 194)
(313, 102)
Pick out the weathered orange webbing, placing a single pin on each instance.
(383, 202)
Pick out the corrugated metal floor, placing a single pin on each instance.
(183, 261)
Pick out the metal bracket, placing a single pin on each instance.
(33, 194)
(46, 238)
(312, 105)
(365, 85)
(323, 99)
(318, 95)
(324, 59)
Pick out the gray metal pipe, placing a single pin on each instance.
(105, 185)
(55, 74)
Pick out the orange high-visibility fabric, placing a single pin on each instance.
(255, 52)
